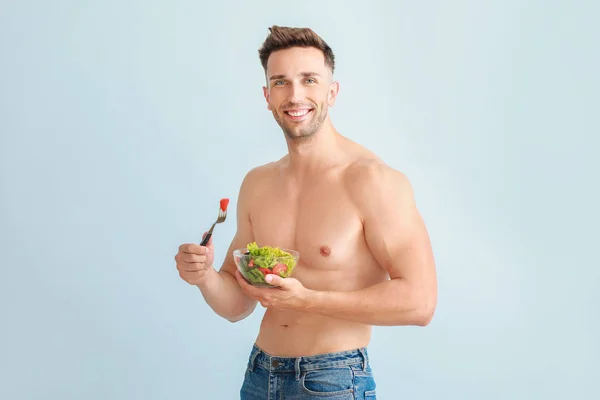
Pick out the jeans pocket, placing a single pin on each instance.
(329, 382)
(364, 382)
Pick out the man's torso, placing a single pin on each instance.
(318, 216)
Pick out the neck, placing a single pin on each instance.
(317, 152)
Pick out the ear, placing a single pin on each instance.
(334, 89)
(266, 94)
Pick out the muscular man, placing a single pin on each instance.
(365, 252)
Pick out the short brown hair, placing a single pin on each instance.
(282, 37)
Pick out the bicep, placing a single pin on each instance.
(394, 229)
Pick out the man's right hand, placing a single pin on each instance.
(194, 262)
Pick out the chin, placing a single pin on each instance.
(299, 136)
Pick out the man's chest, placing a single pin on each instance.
(322, 223)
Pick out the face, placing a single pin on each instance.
(299, 91)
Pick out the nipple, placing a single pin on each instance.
(325, 251)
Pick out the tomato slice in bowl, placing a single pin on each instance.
(280, 269)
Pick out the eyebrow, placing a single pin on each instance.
(304, 74)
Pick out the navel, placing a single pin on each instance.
(325, 251)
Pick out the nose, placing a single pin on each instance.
(296, 93)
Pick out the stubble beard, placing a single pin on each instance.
(305, 132)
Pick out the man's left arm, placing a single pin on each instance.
(397, 237)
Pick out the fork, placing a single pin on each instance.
(220, 219)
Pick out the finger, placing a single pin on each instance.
(182, 258)
(193, 258)
(188, 248)
(193, 248)
(276, 280)
(192, 267)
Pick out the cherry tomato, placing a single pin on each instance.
(224, 203)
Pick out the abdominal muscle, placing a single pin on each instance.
(293, 334)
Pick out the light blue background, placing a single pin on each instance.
(124, 122)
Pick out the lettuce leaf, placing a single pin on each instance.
(268, 257)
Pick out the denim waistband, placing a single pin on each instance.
(306, 363)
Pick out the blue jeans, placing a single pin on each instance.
(340, 376)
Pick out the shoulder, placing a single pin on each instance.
(261, 174)
(368, 171)
(253, 183)
(371, 176)
(377, 190)
(258, 179)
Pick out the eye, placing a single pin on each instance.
(277, 83)
(311, 80)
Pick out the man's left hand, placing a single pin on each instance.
(289, 293)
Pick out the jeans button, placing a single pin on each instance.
(275, 363)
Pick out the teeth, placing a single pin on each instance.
(298, 113)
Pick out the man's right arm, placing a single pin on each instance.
(220, 288)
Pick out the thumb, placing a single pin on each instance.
(276, 280)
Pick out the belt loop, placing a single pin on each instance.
(297, 367)
(365, 358)
(253, 359)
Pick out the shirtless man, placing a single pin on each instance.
(365, 255)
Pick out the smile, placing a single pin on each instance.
(297, 115)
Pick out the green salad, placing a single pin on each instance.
(258, 262)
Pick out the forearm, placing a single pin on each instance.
(393, 302)
(223, 294)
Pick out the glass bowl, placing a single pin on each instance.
(255, 268)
